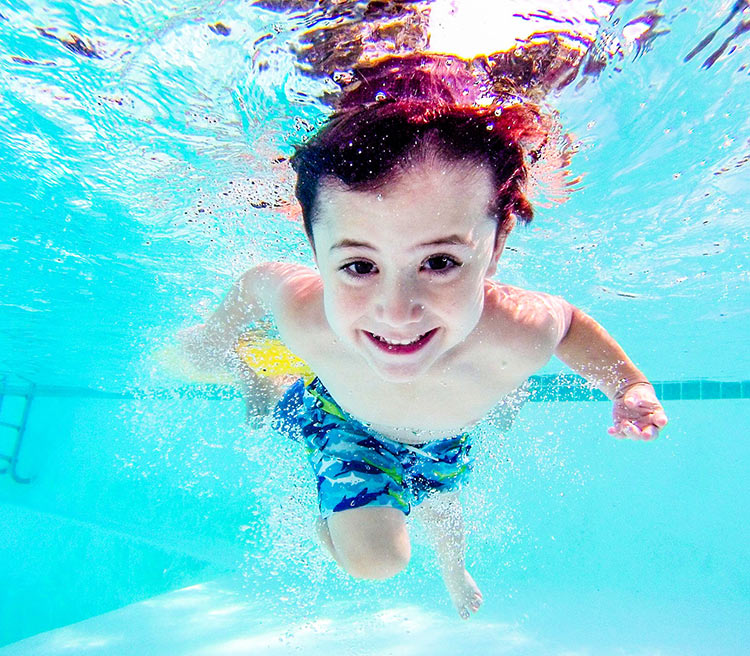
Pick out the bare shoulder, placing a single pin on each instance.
(293, 294)
(527, 317)
(282, 282)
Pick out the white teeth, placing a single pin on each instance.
(401, 342)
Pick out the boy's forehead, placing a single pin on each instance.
(422, 201)
(425, 176)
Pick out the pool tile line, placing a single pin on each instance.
(540, 388)
(575, 388)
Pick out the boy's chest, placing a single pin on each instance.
(442, 404)
(451, 396)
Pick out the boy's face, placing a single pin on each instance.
(404, 267)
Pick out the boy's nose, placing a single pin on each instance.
(398, 305)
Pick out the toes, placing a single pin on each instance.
(470, 607)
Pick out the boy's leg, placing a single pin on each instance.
(370, 542)
(442, 518)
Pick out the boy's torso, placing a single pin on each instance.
(515, 336)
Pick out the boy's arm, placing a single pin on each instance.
(592, 352)
(211, 345)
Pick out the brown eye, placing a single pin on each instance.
(359, 268)
(441, 263)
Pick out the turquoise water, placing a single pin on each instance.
(134, 187)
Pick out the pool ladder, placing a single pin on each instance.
(27, 394)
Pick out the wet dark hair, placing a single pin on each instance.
(366, 145)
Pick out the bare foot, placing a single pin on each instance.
(463, 591)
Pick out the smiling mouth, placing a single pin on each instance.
(401, 346)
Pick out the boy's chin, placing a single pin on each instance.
(401, 368)
(398, 373)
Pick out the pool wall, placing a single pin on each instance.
(109, 518)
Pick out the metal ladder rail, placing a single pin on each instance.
(20, 428)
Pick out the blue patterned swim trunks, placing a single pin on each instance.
(355, 466)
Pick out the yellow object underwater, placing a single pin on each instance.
(270, 357)
(266, 356)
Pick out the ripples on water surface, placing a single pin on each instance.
(142, 168)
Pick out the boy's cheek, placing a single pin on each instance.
(341, 307)
(343, 298)
(471, 292)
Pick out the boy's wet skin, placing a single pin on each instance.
(412, 258)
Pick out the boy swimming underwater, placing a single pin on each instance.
(407, 205)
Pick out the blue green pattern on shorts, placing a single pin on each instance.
(356, 466)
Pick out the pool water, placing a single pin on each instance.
(135, 186)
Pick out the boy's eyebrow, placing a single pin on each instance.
(452, 240)
(350, 243)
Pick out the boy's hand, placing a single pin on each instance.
(260, 394)
(637, 414)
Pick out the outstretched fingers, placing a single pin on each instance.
(644, 427)
(638, 415)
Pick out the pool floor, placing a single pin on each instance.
(226, 617)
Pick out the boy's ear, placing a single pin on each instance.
(502, 237)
